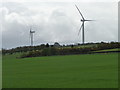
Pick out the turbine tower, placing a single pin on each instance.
(31, 36)
(83, 20)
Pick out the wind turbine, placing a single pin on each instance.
(83, 20)
(31, 36)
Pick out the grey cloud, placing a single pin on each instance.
(15, 7)
(58, 22)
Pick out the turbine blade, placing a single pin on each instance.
(79, 12)
(80, 29)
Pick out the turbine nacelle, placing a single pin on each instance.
(83, 20)
(32, 31)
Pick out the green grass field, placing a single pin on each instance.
(116, 49)
(81, 46)
(71, 71)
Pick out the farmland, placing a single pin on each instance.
(70, 71)
(116, 49)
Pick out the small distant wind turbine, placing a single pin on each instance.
(31, 36)
(82, 26)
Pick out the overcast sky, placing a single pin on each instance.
(57, 22)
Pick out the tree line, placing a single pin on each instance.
(48, 50)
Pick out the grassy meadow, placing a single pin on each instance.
(116, 49)
(70, 71)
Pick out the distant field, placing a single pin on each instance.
(71, 71)
(81, 46)
(116, 49)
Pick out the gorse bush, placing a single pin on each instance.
(56, 51)
(33, 53)
(43, 52)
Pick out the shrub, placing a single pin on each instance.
(33, 53)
